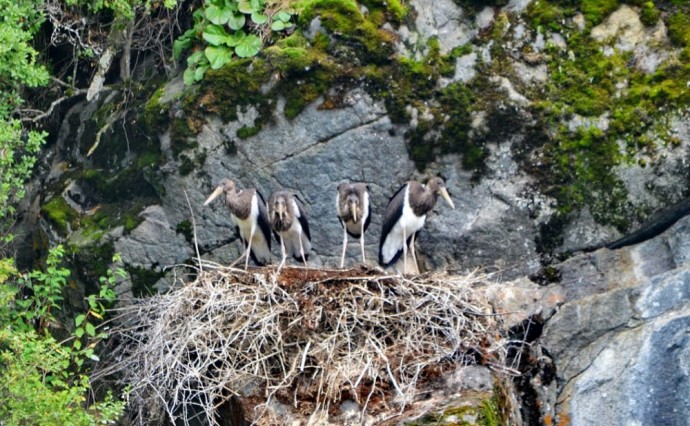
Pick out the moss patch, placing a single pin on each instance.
(59, 213)
(143, 281)
(585, 82)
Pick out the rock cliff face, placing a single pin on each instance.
(557, 130)
(620, 343)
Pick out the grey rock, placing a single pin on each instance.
(484, 18)
(465, 67)
(620, 343)
(649, 45)
(153, 244)
(443, 19)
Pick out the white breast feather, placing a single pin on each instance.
(407, 222)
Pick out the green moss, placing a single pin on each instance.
(344, 20)
(678, 25)
(155, 115)
(148, 159)
(143, 280)
(186, 165)
(246, 132)
(585, 82)
(482, 413)
(393, 10)
(237, 84)
(59, 213)
(596, 11)
(546, 14)
(185, 228)
(109, 216)
(649, 14)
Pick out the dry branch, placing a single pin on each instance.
(302, 337)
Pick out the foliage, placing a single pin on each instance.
(85, 326)
(123, 8)
(44, 293)
(227, 28)
(18, 69)
(38, 382)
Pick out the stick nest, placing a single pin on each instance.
(307, 338)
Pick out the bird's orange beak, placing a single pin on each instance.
(446, 196)
(214, 195)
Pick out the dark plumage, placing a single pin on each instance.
(405, 216)
(354, 212)
(248, 211)
(288, 219)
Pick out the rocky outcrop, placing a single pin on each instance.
(620, 343)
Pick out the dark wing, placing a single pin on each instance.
(264, 226)
(303, 217)
(390, 217)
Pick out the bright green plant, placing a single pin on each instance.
(44, 292)
(38, 384)
(18, 69)
(86, 336)
(224, 29)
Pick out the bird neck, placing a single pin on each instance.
(422, 199)
(238, 205)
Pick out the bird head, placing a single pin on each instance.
(437, 185)
(226, 185)
(280, 207)
(352, 201)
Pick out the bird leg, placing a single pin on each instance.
(404, 252)
(282, 250)
(342, 258)
(249, 247)
(301, 249)
(361, 242)
(414, 254)
(232, 265)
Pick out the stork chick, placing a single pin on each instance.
(405, 216)
(288, 219)
(354, 213)
(248, 210)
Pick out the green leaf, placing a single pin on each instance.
(195, 57)
(218, 56)
(180, 45)
(283, 16)
(278, 26)
(249, 46)
(218, 15)
(79, 332)
(259, 18)
(257, 5)
(90, 329)
(77, 343)
(199, 72)
(215, 35)
(246, 7)
(188, 76)
(236, 22)
(79, 319)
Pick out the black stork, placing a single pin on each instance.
(405, 216)
(354, 212)
(288, 219)
(248, 211)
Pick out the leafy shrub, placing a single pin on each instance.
(227, 28)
